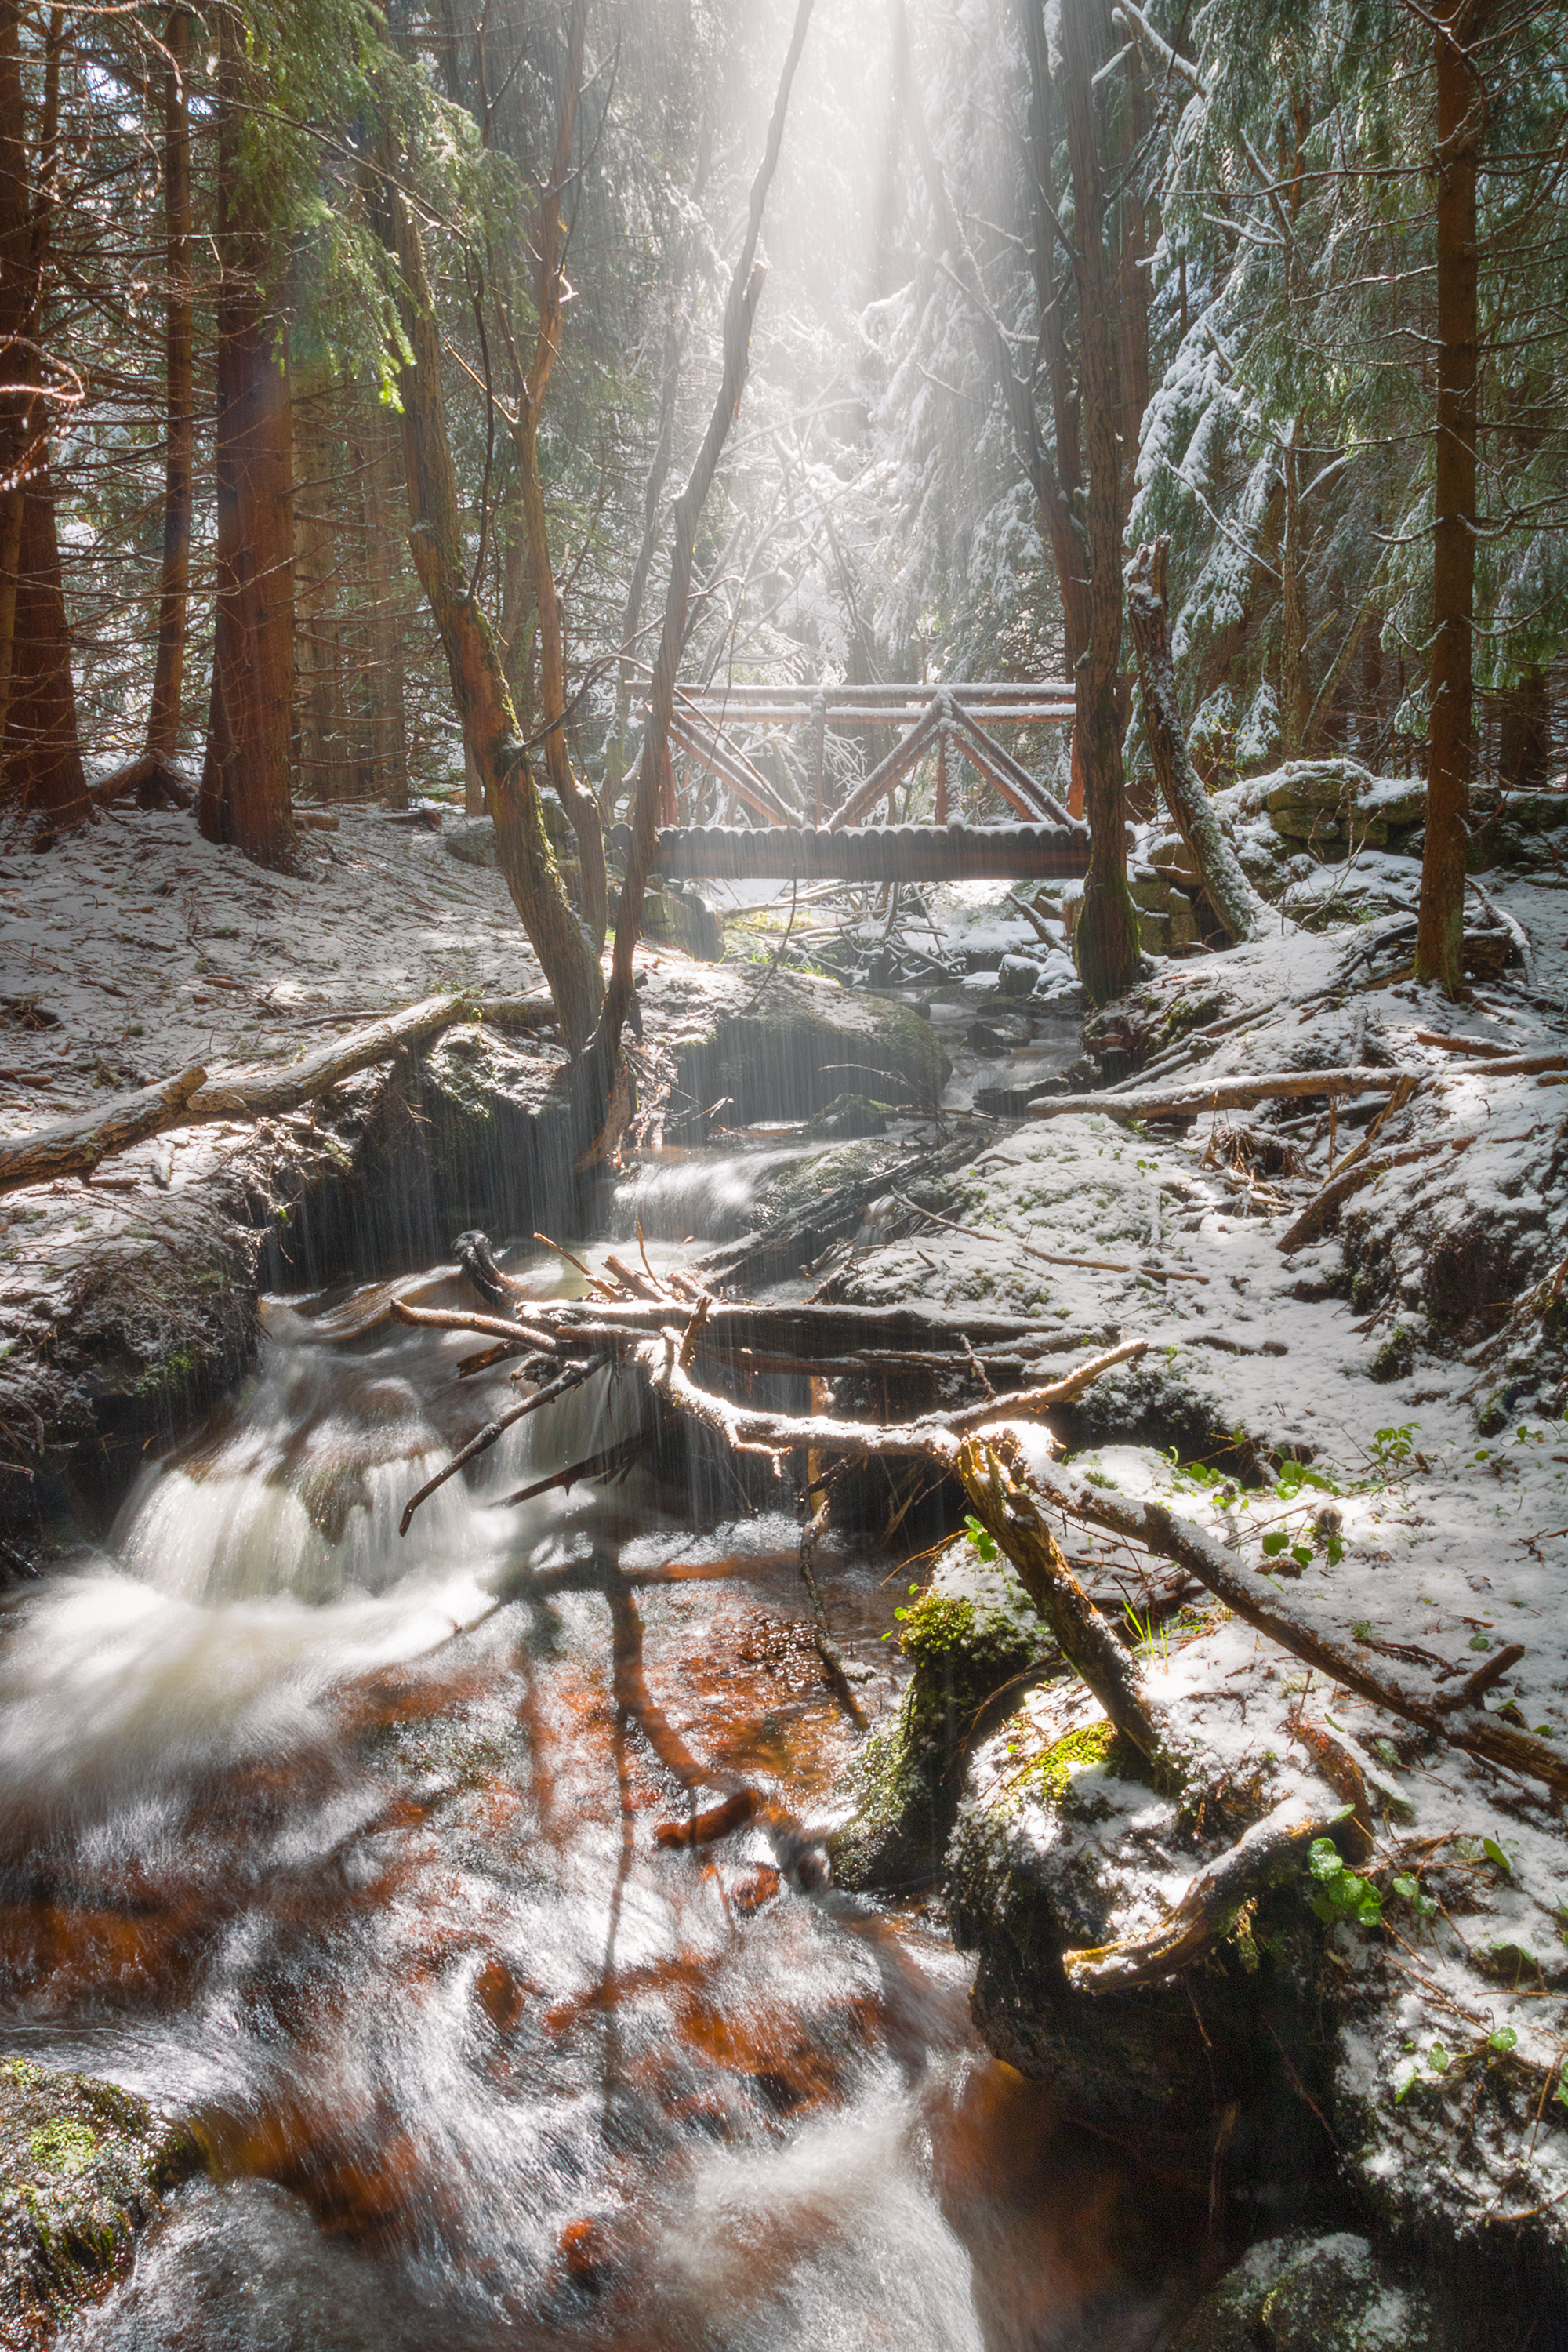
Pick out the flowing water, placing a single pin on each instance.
(350, 1843)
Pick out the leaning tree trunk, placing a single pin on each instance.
(1450, 748)
(1106, 941)
(245, 796)
(631, 619)
(569, 959)
(605, 1092)
(1244, 914)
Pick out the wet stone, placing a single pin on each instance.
(84, 2167)
(1305, 2293)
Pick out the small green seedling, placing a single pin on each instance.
(1336, 1891)
(1408, 1889)
(981, 1537)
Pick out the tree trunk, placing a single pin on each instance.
(1106, 938)
(379, 464)
(245, 796)
(1524, 748)
(323, 756)
(550, 238)
(1450, 744)
(43, 767)
(43, 756)
(606, 1097)
(1294, 690)
(568, 957)
(631, 619)
(1244, 914)
(168, 670)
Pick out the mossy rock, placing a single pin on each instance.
(794, 1048)
(1311, 2293)
(967, 1636)
(84, 2168)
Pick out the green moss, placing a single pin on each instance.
(63, 2146)
(937, 1622)
(907, 1779)
(1047, 1774)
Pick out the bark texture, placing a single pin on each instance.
(1450, 739)
(550, 238)
(1245, 915)
(568, 957)
(245, 795)
(1107, 937)
(43, 766)
(168, 671)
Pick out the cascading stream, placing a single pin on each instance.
(477, 2058)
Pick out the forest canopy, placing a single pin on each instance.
(1044, 284)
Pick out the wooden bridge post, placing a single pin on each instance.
(818, 751)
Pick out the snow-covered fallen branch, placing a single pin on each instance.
(75, 1146)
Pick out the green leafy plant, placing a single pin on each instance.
(1408, 1889)
(984, 1542)
(1336, 1891)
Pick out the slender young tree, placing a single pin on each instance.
(1450, 743)
(1079, 474)
(569, 957)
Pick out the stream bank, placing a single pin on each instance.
(1440, 2132)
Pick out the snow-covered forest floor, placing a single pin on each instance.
(1373, 1418)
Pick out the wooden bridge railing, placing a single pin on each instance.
(953, 720)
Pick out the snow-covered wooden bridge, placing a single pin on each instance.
(796, 836)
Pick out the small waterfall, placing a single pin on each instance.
(699, 1198)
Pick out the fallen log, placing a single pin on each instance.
(1351, 1178)
(1251, 1594)
(986, 1472)
(803, 1330)
(74, 1147)
(1221, 1094)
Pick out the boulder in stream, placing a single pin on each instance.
(84, 2168)
(1308, 2292)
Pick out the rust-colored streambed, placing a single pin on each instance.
(480, 2058)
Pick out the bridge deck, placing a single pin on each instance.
(874, 853)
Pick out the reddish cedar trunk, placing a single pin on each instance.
(326, 769)
(1106, 939)
(245, 795)
(1450, 745)
(43, 756)
(378, 461)
(164, 722)
(43, 767)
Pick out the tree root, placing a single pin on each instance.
(1263, 1855)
